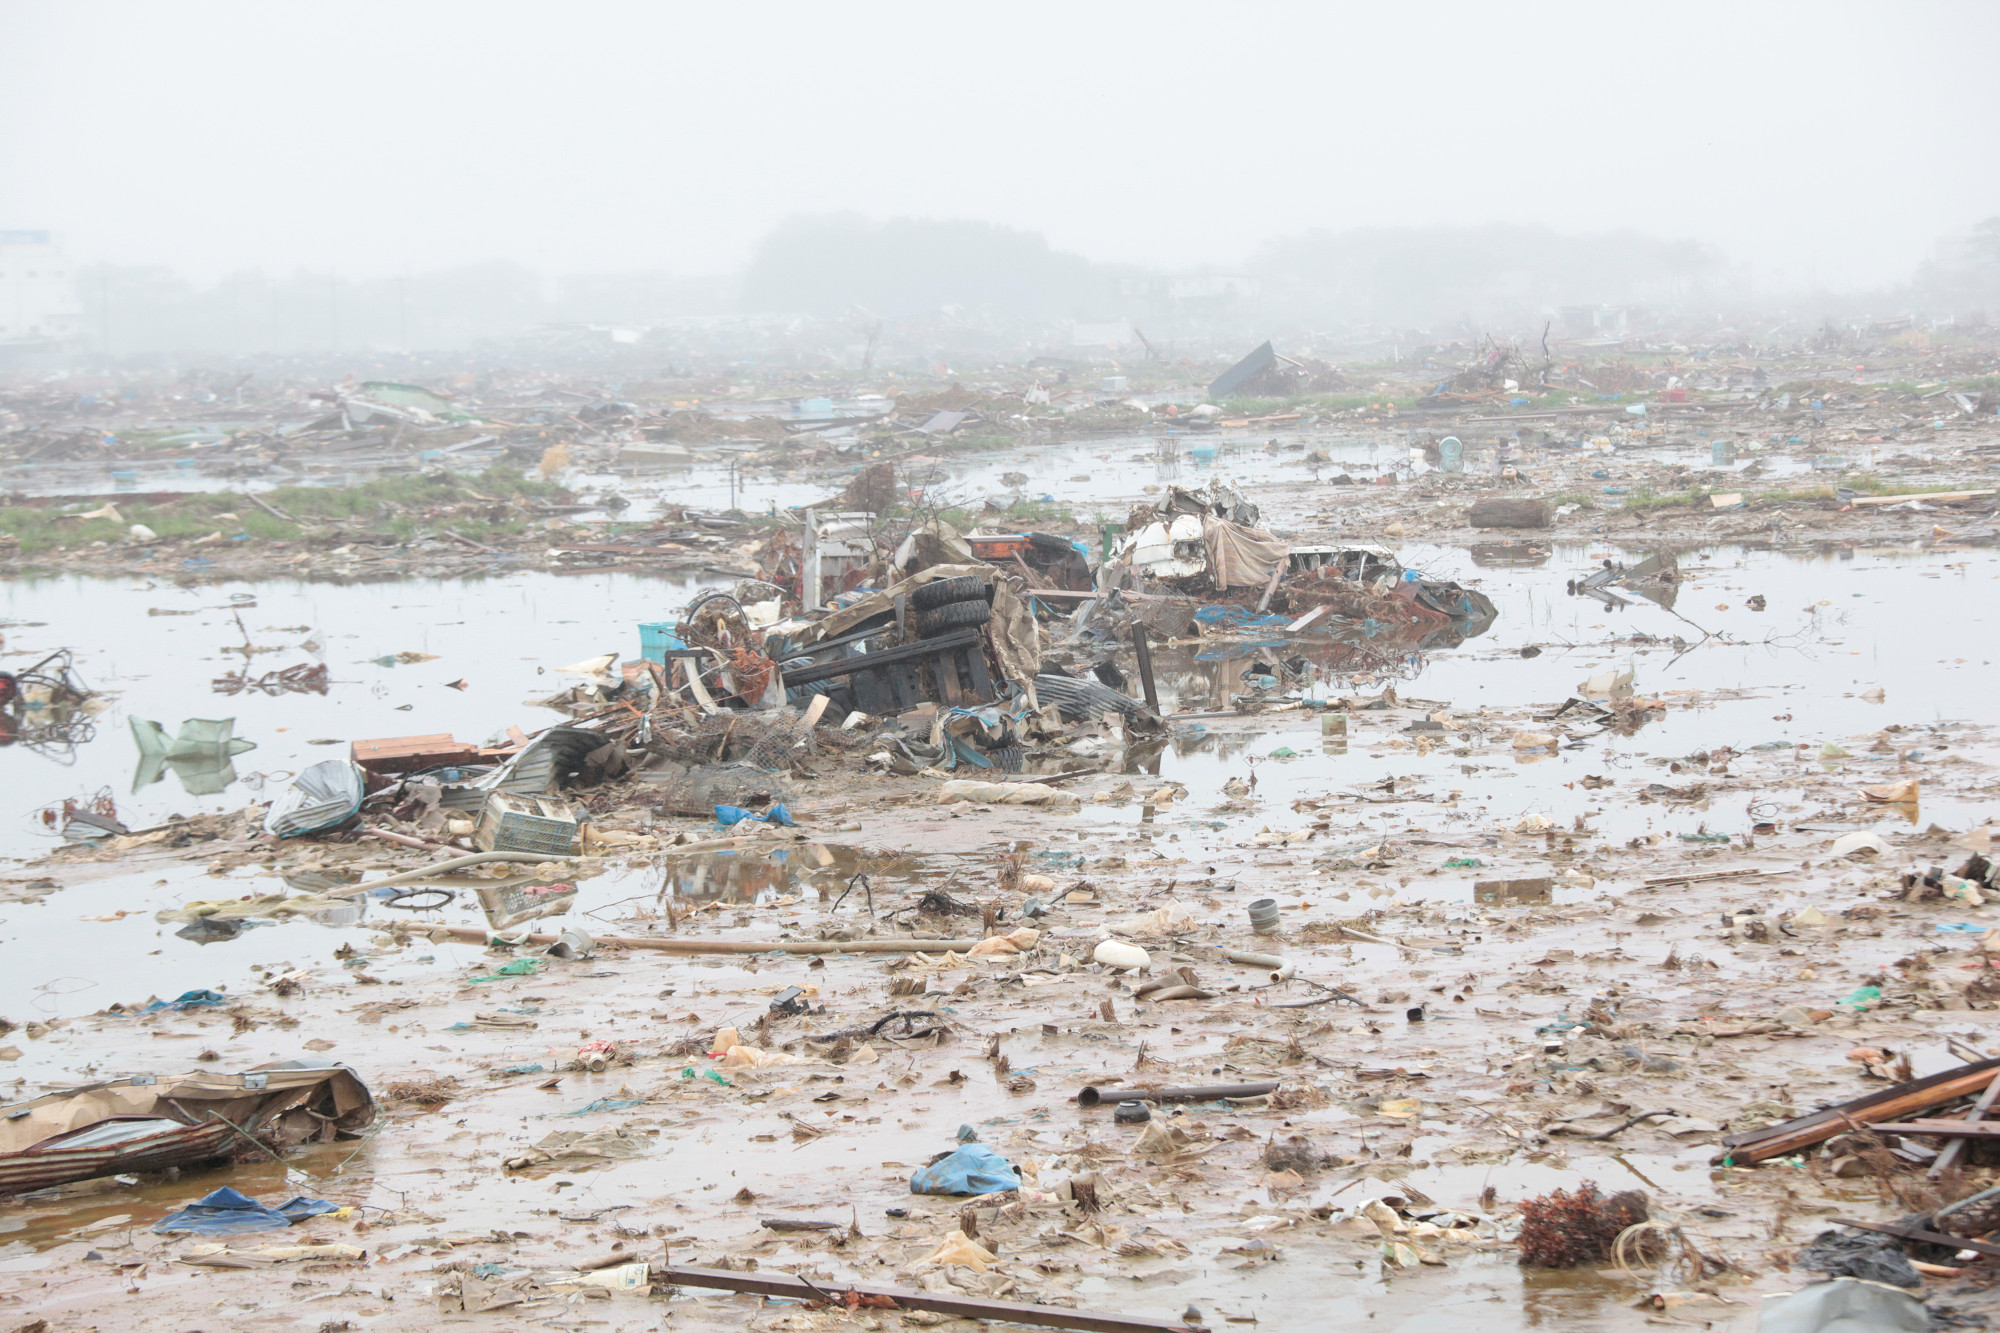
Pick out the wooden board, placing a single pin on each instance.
(1928, 495)
(406, 754)
(1880, 1108)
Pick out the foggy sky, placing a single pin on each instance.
(1825, 141)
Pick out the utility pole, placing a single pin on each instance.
(809, 563)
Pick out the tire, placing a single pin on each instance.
(951, 616)
(943, 592)
(1046, 541)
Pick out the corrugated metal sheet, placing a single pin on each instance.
(40, 1169)
(1243, 371)
(1078, 700)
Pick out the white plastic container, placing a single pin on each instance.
(1117, 953)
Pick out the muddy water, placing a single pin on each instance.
(1106, 475)
(1837, 626)
(1894, 619)
(1096, 480)
(155, 650)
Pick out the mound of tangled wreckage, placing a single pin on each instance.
(955, 1063)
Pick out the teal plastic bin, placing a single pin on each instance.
(656, 639)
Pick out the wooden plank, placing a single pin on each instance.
(1277, 573)
(392, 746)
(402, 754)
(1888, 1105)
(1956, 1146)
(1700, 876)
(1927, 495)
(965, 1307)
(1940, 1127)
(1307, 619)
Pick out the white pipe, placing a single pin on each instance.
(1282, 969)
(444, 868)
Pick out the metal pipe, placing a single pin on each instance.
(1282, 969)
(1097, 1096)
(443, 868)
(672, 944)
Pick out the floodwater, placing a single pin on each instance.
(1839, 625)
(155, 649)
(1110, 474)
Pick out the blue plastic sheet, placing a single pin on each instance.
(226, 1212)
(194, 999)
(607, 1104)
(731, 815)
(1236, 615)
(973, 1169)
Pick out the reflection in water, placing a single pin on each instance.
(508, 905)
(756, 878)
(1514, 892)
(727, 877)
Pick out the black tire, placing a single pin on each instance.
(943, 592)
(951, 616)
(1007, 758)
(1047, 541)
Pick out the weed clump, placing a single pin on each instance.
(1565, 1228)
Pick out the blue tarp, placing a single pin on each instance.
(226, 1212)
(194, 999)
(973, 1169)
(731, 815)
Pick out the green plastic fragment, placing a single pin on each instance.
(520, 967)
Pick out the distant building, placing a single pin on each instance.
(1593, 321)
(38, 302)
(1191, 291)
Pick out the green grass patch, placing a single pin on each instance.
(397, 504)
(378, 496)
(1025, 512)
(1645, 498)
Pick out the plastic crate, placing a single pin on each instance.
(657, 638)
(542, 825)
